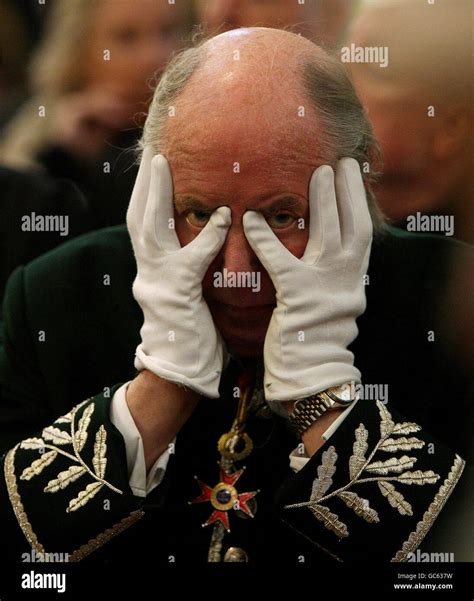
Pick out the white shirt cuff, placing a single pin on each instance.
(140, 483)
(299, 457)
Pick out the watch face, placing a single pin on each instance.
(346, 402)
(342, 394)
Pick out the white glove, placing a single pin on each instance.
(180, 342)
(320, 295)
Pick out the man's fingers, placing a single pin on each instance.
(356, 223)
(159, 225)
(138, 200)
(208, 243)
(324, 229)
(269, 250)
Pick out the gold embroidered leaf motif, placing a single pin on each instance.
(330, 520)
(406, 428)
(419, 477)
(360, 506)
(75, 409)
(38, 465)
(64, 419)
(325, 473)
(56, 436)
(99, 460)
(395, 498)
(394, 465)
(81, 433)
(394, 469)
(359, 450)
(386, 422)
(32, 443)
(84, 496)
(65, 478)
(392, 445)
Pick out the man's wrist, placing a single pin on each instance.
(311, 408)
(159, 409)
(312, 416)
(312, 437)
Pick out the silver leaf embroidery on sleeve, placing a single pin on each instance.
(364, 469)
(54, 441)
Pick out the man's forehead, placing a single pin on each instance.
(245, 140)
(252, 167)
(208, 184)
(244, 155)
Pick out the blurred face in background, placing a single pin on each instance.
(420, 103)
(319, 20)
(406, 136)
(240, 13)
(140, 37)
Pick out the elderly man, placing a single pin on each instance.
(241, 173)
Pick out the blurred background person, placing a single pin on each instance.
(428, 160)
(93, 74)
(323, 21)
(428, 152)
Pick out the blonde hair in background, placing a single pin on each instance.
(55, 67)
(53, 72)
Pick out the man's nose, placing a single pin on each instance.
(237, 254)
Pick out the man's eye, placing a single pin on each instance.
(280, 220)
(198, 218)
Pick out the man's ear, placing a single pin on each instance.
(453, 131)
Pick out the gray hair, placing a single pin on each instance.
(171, 84)
(346, 129)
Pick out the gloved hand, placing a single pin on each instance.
(180, 342)
(320, 295)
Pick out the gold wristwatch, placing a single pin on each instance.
(308, 410)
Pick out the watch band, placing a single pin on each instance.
(308, 410)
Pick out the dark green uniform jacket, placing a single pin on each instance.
(70, 331)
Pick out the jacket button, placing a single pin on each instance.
(236, 554)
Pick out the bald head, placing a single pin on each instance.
(260, 78)
(246, 103)
(259, 100)
(249, 61)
